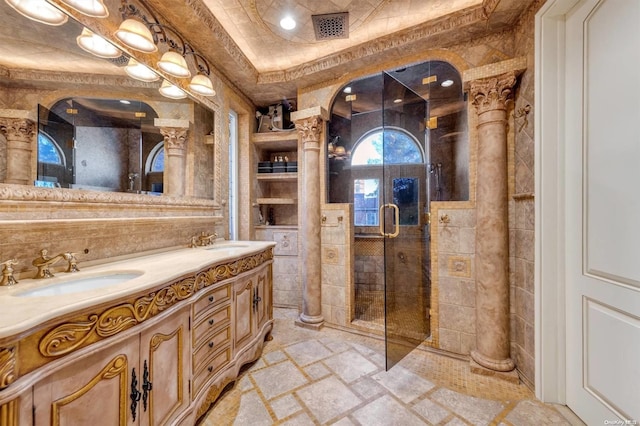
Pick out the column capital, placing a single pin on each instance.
(310, 129)
(175, 138)
(18, 129)
(492, 93)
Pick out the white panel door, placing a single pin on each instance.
(603, 210)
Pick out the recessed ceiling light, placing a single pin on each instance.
(397, 101)
(124, 101)
(347, 89)
(447, 83)
(287, 23)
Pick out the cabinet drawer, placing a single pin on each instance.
(210, 299)
(286, 243)
(210, 368)
(211, 343)
(211, 322)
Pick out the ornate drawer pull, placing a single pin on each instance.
(210, 368)
(211, 298)
(210, 345)
(211, 321)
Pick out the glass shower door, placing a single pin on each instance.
(403, 221)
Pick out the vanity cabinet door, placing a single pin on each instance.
(165, 370)
(94, 389)
(244, 323)
(262, 298)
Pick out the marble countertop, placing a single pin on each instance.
(20, 313)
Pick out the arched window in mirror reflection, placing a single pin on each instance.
(51, 162)
(155, 167)
(49, 151)
(399, 148)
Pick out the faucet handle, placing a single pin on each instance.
(73, 262)
(7, 272)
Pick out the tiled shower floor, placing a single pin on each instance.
(306, 377)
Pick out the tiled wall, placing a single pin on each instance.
(521, 207)
(454, 241)
(369, 264)
(337, 267)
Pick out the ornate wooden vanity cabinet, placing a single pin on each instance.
(157, 357)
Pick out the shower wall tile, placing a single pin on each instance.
(450, 340)
(338, 273)
(453, 275)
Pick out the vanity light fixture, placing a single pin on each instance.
(93, 8)
(39, 11)
(136, 35)
(287, 23)
(168, 90)
(174, 63)
(135, 69)
(202, 85)
(447, 83)
(96, 45)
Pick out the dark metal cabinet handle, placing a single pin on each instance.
(210, 345)
(211, 298)
(210, 368)
(211, 321)
(256, 299)
(147, 386)
(135, 393)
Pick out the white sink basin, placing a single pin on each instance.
(81, 284)
(226, 246)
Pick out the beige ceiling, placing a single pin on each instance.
(251, 53)
(254, 25)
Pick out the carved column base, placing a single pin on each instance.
(493, 364)
(310, 322)
(508, 376)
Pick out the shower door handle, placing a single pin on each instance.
(396, 231)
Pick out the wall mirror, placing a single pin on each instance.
(96, 124)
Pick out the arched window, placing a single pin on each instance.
(48, 150)
(399, 148)
(155, 161)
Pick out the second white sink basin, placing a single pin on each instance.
(81, 284)
(226, 246)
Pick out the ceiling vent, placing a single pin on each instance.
(331, 25)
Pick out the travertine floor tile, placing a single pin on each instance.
(475, 410)
(328, 398)
(431, 411)
(278, 379)
(307, 377)
(252, 411)
(403, 384)
(386, 411)
(308, 352)
(350, 365)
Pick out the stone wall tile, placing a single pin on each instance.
(450, 340)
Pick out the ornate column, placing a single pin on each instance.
(175, 147)
(19, 128)
(310, 130)
(490, 97)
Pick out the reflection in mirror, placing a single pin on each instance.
(100, 144)
(43, 64)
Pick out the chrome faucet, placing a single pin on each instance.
(7, 272)
(44, 262)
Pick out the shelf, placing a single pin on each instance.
(277, 201)
(278, 177)
(276, 141)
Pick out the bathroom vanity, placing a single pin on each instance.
(151, 340)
